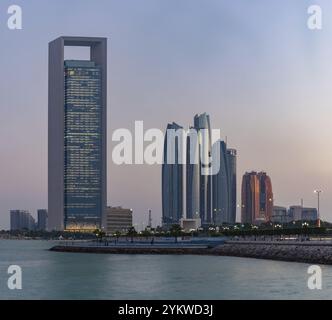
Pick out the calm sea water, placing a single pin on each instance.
(52, 275)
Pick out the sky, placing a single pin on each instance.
(264, 78)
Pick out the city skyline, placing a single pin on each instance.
(171, 76)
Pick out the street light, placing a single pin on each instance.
(318, 192)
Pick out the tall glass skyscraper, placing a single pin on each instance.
(224, 186)
(172, 179)
(195, 175)
(77, 136)
(231, 160)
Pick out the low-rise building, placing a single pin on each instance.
(188, 225)
(280, 215)
(118, 219)
(309, 214)
(298, 213)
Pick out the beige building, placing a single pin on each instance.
(118, 219)
(189, 225)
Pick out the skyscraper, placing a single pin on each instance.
(77, 136)
(224, 186)
(266, 196)
(231, 159)
(42, 219)
(257, 198)
(193, 176)
(196, 179)
(172, 179)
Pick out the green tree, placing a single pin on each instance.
(100, 234)
(132, 233)
(175, 231)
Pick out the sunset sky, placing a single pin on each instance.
(254, 66)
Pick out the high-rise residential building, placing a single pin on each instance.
(42, 219)
(77, 136)
(172, 177)
(118, 219)
(257, 198)
(224, 186)
(195, 173)
(21, 220)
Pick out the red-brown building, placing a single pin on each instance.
(257, 198)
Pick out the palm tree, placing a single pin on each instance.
(175, 231)
(131, 233)
(99, 234)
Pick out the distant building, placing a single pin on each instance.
(280, 215)
(309, 214)
(298, 213)
(190, 224)
(224, 186)
(118, 219)
(42, 220)
(21, 220)
(232, 177)
(295, 213)
(257, 198)
(172, 179)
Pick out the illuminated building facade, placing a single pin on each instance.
(77, 136)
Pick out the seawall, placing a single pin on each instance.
(314, 253)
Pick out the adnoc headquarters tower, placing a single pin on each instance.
(77, 136)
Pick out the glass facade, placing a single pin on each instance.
(82, 145)
(172, 182)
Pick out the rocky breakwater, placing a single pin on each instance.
(307, 252)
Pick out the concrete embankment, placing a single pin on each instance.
(307, 252)
(131, 250)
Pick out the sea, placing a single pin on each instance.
(55, 275)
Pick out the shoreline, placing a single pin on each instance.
(316, 253)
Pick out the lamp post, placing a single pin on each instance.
(318, 192)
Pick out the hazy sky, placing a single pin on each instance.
(254, 66)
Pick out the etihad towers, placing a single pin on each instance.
(199, 185)
(224, 186)
(172, 179)
(77, 135)
(191, 189)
